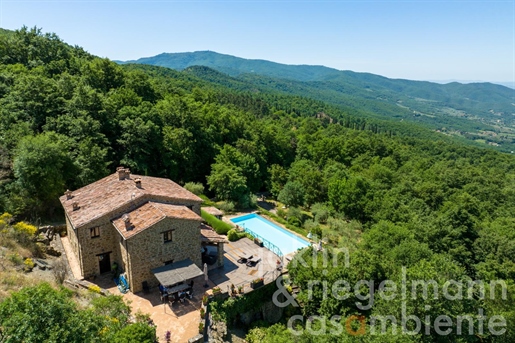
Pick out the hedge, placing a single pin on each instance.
(234, 235)
(220, 227)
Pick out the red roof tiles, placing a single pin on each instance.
(149, 214)
(110, 193)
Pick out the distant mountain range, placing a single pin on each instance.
(484, 111)
(505, 84)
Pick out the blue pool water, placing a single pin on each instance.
(283, 239)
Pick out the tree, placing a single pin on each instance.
(227, 182)
(278, 178)
(350, 197)
(138, 139)
(292, 194)
(42, 167)
(310, 177)
(320, 212)
(245, 162)
(137, 332)
(43, 314)
(178, 144)
(194, 187)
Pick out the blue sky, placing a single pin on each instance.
(419, 40)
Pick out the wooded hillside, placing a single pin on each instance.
(396, 195)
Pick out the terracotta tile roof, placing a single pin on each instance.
(208, 234)
(108, 194)
(149, 214)
(213, 211)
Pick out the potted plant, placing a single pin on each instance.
(256, 283)
(216, 290)
(202, 313)
(240, 289)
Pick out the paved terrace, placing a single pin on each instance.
(182, 319)
(239, 274)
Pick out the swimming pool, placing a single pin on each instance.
(283, 239)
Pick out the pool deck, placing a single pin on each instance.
(182, 319)
(239, 274)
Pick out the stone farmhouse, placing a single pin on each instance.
(140, 224)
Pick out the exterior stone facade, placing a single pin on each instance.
(149, 207)
(148, 250)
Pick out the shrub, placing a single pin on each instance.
(29, 264)
(202, 313)
(206, 201)
(258, 280)
(320, 212)
(234, 235)
(194, 187)
(5, 219)
(201, 327)
(94, 289)
(253, 201)
(281, 213)
(310, 224)
(226, 206)
(294, 212)
(137, 332)
(216, 290)
(25, 228)
(247, 200)
(142, 317)
(220, 227)
(294, 221)
(15, 258)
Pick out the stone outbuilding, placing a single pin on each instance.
(134, 224)
(213, 211)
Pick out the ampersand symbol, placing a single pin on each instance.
(290, 300)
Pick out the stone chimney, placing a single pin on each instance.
(137, 181)
(127, 220)
(68, 194)
(123, 173)
(75, 206)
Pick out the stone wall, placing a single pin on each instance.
(74, 241)
(92, 247)
(86, 248)
(147, 249)
(124, 266)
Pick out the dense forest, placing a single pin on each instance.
(394, 195)
(479, 112)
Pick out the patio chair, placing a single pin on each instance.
(173, 298)
(244, 260)
(253, 263)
